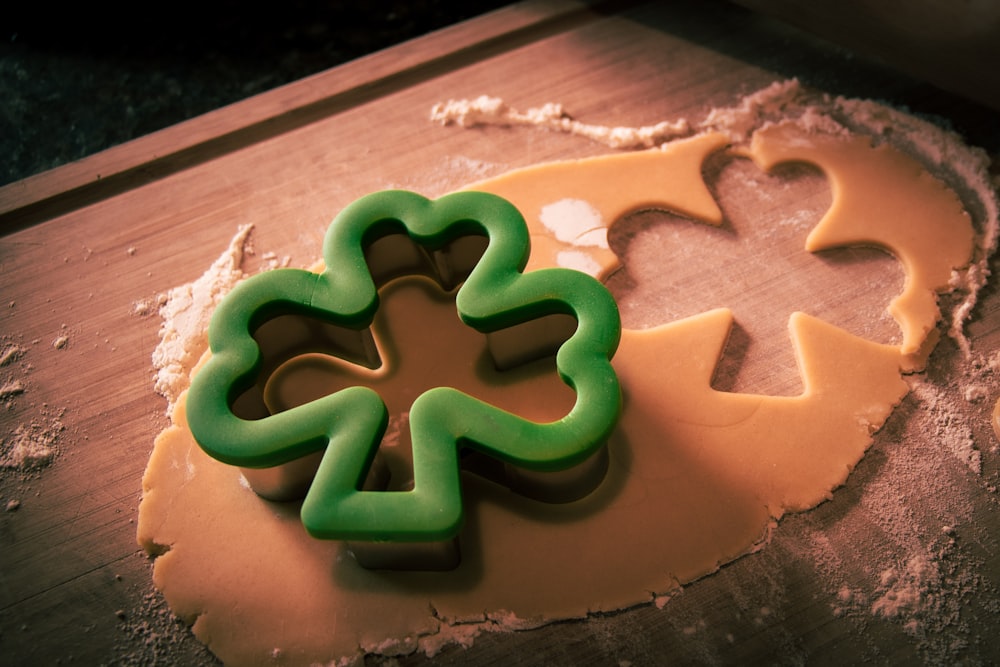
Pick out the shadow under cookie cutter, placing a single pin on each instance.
(326, 449)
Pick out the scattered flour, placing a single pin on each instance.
(10, 354)
(975, 393)
(919, 498)
(31, 446)
(778, 102)
(145, 307)
(846, 596)
(926, 594)
(907, 590)
(153, 635)
(27, 444)
(950, 428)
(486, 110)
(738, 122)
(576, 222)
(11, 388)
(186, 311)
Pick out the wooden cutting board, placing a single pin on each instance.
(83, 244)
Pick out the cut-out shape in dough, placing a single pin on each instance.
(696, 476)
(909, 213)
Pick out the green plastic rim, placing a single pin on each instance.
(349, 424)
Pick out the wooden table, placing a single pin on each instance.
(82, 244)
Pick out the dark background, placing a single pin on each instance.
(76, 78)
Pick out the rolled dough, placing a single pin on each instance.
(697, 476)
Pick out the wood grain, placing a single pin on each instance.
(84, 243)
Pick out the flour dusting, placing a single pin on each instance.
(576, 222)
(10, 389)
(186, 311)
(950, 427)
(28, 441)
(31, 446)
(10, 354)
(485, 110)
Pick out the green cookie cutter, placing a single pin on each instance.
(378, 237)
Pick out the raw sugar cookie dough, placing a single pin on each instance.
(697, 477)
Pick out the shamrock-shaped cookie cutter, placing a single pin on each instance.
(326, 447)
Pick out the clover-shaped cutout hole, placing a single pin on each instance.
(756, 265)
